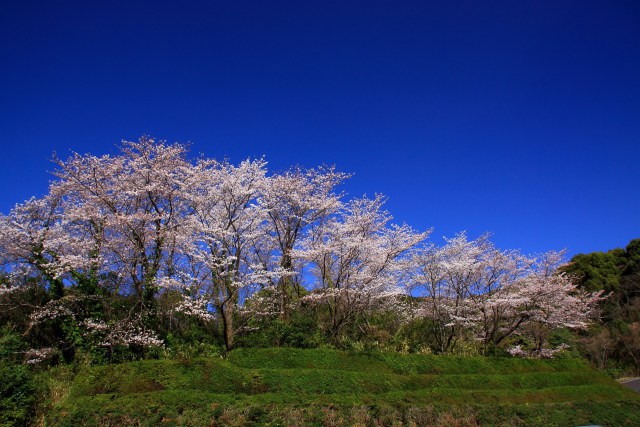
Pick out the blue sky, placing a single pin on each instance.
(521, 118)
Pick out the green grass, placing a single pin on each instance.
(327, 387)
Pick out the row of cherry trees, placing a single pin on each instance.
(471, 285)
(227, 242)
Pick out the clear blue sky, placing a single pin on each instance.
(517, 117)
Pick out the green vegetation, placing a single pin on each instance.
(330, 387)
(614, 343)
(17, 394)
(150, 288)
(17, 386)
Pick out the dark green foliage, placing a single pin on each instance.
(17, 387)
(599, 270)
(11, 345)
(615, 344)
(17, 394)
(300, 330)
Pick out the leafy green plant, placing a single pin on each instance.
(17, 394)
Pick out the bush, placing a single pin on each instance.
(17, 394)
(300, 331)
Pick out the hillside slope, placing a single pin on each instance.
(326, 387)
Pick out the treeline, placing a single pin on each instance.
(149, 253)
(613, 343)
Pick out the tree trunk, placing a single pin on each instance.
(227, 326)
(285, 285)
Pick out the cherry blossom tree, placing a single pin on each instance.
(473, 287)
(552, 301)
(295, 200)
(149, 224)
(531, 300)
(226, 225)
(357, 259)
(444, 278)
(108, 225)
(129, 208)
(30, 242)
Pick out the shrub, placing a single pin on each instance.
(17, 394)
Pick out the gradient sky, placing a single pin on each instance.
(521, 118)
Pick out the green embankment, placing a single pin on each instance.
(326, 387)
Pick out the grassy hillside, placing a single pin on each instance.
(326, 387)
